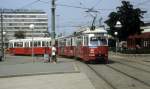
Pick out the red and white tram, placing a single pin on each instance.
(24, 46)
(89, 45)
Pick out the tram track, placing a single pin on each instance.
(137, 79)
(132, 66)
(136, 61)
(99, 75)
(125, 74)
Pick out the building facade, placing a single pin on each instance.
(143, 39)
(14, 20)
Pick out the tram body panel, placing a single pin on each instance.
(24, 46)
(86, 45)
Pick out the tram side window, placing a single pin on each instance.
(31, 44)
(49, 43)
(79, 41)
(11, 45)
(86, 41)
(38, 44)
(62, 43)
(68, 42)
(43, 44)
(26, 44)
(18, 44)
(35, 43)
(73, 41)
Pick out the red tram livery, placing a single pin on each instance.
(24, 46)
(88, 45)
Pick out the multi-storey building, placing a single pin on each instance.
(14, 20)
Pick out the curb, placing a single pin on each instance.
(34, 74)
(130, 55)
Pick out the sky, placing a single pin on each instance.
(69, 18)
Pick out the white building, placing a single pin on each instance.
(14, 20)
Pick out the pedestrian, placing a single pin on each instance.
(137, 47)
(1, 55)
(53, 54)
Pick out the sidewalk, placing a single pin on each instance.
(22, 73)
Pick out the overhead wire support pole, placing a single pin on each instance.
(53, 21)
(2, 43)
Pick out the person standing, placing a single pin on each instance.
(53, 54)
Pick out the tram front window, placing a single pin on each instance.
(94, 41)
(97, 41)
(103, 42)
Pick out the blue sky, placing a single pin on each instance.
(67, 18)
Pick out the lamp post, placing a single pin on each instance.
(4, 34)
(32, 27)
(118, 25)
(116, 33)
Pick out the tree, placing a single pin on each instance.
(19, 34)
(130, 19)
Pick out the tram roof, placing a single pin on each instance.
(87, 30)
(97, 30)
(30, 39)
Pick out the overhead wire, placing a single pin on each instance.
(79, 7)
(65, 5)
(96, 4)
(29, 4)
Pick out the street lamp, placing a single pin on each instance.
(116, 33)
(4, 34)
(118, 25)
(32, 27)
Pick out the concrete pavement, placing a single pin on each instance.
(54, 81)
(19, 72)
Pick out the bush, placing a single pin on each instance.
(136, 51)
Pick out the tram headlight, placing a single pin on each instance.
(91, 54)
(91, 50)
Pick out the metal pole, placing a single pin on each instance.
(32, 46)
(2, 43)
(116, 45)
(32, 43)
(53, 22)
(116, 33)
(4, 36)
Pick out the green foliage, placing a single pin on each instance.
(19, 34)
(130, 19)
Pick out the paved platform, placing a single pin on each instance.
(24, 66)
(21, 72)
(36, 68)
(54, 81)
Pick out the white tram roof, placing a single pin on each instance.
(30, 39)
(97, 30)
(87, 30)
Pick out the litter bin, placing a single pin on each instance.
(46, 58)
